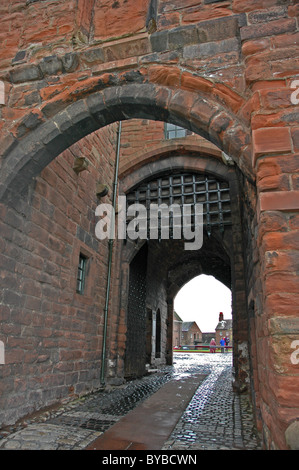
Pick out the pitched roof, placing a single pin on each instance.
(224, 325)
(176, 317)
(187, 325)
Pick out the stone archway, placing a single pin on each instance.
(26, 157)
(222, 254)
(228, 71)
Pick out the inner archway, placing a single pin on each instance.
(179, 177)
(201, 300)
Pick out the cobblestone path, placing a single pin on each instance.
(216, 417)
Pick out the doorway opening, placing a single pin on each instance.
(202, 311)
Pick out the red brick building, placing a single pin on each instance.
(224, 329)
(191, 333)
(177, 330)
(77, 312)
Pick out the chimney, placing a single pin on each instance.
(221, 316)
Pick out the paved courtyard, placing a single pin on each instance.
(215, 419)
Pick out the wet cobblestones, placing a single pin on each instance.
(216, 418)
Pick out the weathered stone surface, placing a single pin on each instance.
(159, 41)
(51, 65)
(292, 435)
(270, 29)
(271, 140)
(70, 62)
(211, 48)
(25, 74)
(282, 325)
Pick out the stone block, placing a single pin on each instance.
(179, 37)
(284, 325)
(279, 201)
(50, 65)
(219, 29)
(269, 29)
(271, 140)
(211, 49)
(55, 142)
(97, 107)
(269, 14)
(159, 41)
(25, 74)
(202, 113)
(75, 122)
(19, 58)
(29, 122)
(93, 55)
(126, 48)
(70, 62)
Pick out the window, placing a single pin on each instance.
(174, 132)
(81, 273)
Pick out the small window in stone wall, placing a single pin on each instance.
(175, 132)
(81, 273)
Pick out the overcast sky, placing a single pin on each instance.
(201, 300)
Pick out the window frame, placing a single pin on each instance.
(173, 129)
(81, 269)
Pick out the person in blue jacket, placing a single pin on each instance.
(222, 344)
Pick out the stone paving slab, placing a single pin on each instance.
(149, 424)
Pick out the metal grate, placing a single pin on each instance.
(136, 316)
(187, 189)
(81, 274)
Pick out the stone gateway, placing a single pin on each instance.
(161, 102)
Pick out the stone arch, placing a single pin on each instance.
(157, 162)
(167, 149)
(26, 157)
(181, 275)
(224, 251)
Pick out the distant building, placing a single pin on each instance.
(188, 333)
(206, 337)
(224, 329)
(177, 330)
(191, 333)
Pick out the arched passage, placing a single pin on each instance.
(201, 300)
(169, 265)
(202, 61)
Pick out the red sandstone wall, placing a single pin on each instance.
(35, 25)
(142, 139)
(52, 335)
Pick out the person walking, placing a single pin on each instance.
(222, 344)
(213, 345)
